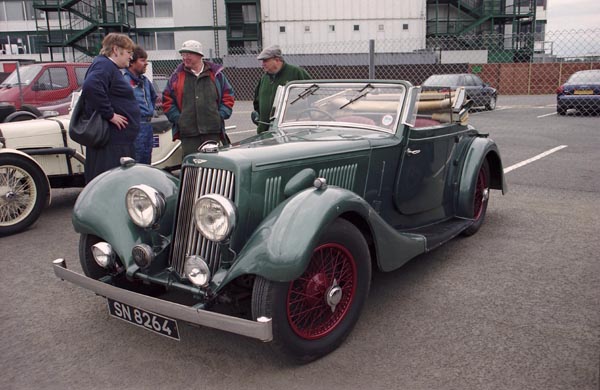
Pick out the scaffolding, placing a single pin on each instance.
(80, 25)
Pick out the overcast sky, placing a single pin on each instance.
(573, 14)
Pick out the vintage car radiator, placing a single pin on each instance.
(198, 181)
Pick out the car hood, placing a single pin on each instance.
(278, 148)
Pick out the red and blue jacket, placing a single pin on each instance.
(173, 94)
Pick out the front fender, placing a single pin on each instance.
(282, 245)
(100, 208)
(480, 149)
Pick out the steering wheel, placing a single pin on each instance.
(310, 110)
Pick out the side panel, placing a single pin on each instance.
(281, 246)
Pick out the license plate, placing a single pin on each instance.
(583, 92)
(145, 319)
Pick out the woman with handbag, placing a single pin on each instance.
(106, 91)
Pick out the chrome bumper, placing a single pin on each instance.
(260, 329)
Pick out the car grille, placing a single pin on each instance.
(198, 181)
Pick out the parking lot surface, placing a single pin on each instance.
(515, 306)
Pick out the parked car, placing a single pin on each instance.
(276, 237)
(481, 93)
(40, 84)
(38, 155)
(581, 91)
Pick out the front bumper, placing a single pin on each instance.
(260, 329)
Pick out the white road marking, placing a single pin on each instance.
(532, 159)
(542, 116)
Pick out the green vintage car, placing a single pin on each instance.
(276, 237)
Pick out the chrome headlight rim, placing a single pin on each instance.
(156, 201)
(228, 211)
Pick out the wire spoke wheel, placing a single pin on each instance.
(314, 313)
(23, 191)
(320, 298)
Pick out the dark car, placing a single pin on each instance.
(581, 92)
(276, 237)
(479, 92)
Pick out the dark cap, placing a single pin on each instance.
(270, 52)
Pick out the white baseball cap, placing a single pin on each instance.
(191, 47)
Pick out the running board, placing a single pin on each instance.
(437, 234)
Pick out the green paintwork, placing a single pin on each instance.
(372, 181)
(100, 208)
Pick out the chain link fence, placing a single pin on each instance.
(523, 64)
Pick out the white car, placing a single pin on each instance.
(38, 155)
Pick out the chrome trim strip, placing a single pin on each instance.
(261, 329)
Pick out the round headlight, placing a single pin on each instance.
(197, 271)
(215, 216)
(144, 205)
(103, 254)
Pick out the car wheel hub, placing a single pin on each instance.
(334, 295)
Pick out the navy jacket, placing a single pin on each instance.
(106, 91)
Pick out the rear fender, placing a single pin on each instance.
(481, 149)
(100, 208)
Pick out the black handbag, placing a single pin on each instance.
(93, 131)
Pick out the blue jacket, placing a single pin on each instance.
(143, 91)
(105, 90)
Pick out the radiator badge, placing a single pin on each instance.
(198, 161)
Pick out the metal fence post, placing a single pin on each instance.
(371, 59)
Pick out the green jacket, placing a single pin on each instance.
(264, 94)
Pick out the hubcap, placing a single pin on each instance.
(334, 295)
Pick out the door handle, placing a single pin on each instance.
(412, 152)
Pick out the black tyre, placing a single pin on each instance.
(561, 110)
(88, 264)
(313, 314)
(23, 193)
(480, 199)
(491, 105)
(32, 109)
(20, 116)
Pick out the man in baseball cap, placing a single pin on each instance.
(197, 99)
(277, 72)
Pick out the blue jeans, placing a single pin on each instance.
(143, 144)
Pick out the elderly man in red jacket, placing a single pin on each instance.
(197, 99)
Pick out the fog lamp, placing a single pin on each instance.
(197, 271)
(103, 254)
(143, 255)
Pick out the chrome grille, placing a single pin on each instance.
(198, 181)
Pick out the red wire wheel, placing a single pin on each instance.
(319, 300)
(313, 314)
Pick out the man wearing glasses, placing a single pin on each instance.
(197, 99)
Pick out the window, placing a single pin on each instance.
(14, 10)
(80, 74)
(165, 41)
(281, 29)
(249, 13)
(163, 8)
(147, 41)
(356, 27)
(53, 78)
(306, 28)
(405, 26)
(332, 28)
(381, 27)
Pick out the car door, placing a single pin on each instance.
(478, 91)
(51, 85)
(421, 184)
